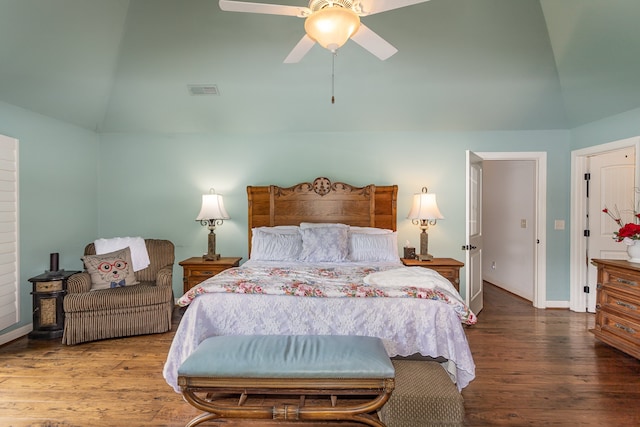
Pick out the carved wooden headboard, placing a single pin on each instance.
(322, 201)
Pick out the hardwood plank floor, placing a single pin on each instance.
(533, 368)
(543, 368)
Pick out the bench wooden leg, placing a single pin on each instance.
(360, 413)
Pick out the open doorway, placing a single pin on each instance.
(510, 168)
(509, 225)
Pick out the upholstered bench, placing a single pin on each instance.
(424, 396)
(295, 378)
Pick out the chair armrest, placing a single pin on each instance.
(165, 276)
(79, 283)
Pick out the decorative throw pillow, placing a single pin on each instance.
(305, 225)
(110, 270)
(369, 230)
(279, 229)
(271, 246)
(324, 244)
(373, 247)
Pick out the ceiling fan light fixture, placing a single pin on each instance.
(332, 26)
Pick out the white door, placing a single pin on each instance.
(473, 244)
(611, 185)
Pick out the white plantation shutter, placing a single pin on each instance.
(9, 294)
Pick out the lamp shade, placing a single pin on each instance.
(424, 207)
(332, 26)
(212, 208)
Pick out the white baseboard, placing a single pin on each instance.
(16, 333)
(557, 304)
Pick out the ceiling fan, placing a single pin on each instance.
(330, 23)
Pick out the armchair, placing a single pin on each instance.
(145, 308)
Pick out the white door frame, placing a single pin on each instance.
(578, 244)
(540, 254)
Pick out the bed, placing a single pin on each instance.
(324, 261)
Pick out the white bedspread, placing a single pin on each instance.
(406, 325)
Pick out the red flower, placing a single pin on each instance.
(627, 231)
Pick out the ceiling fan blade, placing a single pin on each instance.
(269, 9)
(369, 7)
(304, 45)
(373, 42)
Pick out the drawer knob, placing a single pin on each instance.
(627, 282)
(625, 328)
(627, 305)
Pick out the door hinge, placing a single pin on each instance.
(587, 233)
(586, 289)
(587, 177)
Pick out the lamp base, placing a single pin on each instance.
(425, 257)
(211, 254)
(424, 247)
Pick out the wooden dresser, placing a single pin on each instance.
(618, 305)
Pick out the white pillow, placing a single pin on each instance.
(369, 230)
(306, 225)
(279, 229)
(324, 244)
(373, 247)
(272, 246)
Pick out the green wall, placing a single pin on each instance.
(614, 128)
(151, 184)
(76, 185)
(58, 200)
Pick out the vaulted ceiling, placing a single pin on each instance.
(125, 66)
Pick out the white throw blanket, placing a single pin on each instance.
(139, 254)
(417, 277)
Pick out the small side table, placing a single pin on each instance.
(197, 269)
(48, 294)
(447, 267)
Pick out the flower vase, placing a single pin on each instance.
(634, 251)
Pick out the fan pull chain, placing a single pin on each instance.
(333, 77)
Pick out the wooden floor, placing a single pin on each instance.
(542, 368)
(533, 368)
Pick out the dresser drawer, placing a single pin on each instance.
(622, 280)
(448, 268)
(449, 273)
(205, 271)
(622, 328)
(197, 269)
(618, 303)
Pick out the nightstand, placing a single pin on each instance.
(197, 269)
(48, 294)
(447, 267)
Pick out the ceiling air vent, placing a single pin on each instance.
(203, 90)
